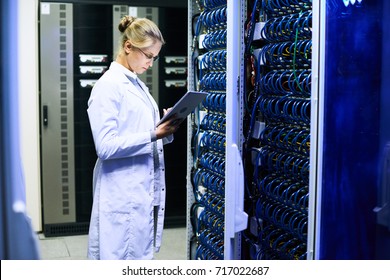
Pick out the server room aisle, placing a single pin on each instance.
(75, 247)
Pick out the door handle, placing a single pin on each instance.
(45, 115)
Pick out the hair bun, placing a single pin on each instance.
(126, 21)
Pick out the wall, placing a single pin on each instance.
(29, 106)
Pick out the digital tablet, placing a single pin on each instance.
(184, 106)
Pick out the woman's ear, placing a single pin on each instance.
(127, 47)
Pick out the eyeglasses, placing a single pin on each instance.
(148, 56)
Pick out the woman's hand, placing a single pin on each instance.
(168, 127)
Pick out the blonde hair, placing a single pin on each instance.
(141, 32)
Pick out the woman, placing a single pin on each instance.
(129, 182)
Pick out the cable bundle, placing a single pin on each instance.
(291, 139)
(210, 246)
(215, 102)
(212, 220)
(294, 111)
(288, 28)
(214, 60)
(213, 81)
(280, 7)
(213, 162)
(285, 163)
(215, 18)
(285, 190)
(284, 217)
(275, 243)
(287, 54)
(215, 122)
(210, 4)
(215, 39)
(287, 82)
(214, 142)
(213, 182)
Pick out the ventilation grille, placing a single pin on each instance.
(66, 229)
(64, 113)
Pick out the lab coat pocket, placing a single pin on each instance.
(116, 235)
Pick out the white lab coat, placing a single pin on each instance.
(127, 186)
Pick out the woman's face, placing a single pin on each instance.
(139, 60)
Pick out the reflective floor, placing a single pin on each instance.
(75, 247)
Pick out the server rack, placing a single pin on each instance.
(279, 138)
(304, 114)
(234, 149)
(57, 127)
(215, 181)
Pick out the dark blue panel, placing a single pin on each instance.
(383, 213)
(351, 129)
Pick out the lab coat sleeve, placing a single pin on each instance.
(114, 137)
(168, 139)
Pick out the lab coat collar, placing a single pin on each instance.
(119, 67)
(131, 78)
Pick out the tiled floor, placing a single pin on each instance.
(75, 247)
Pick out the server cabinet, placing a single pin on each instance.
(304, 130)
(75, 50)
(229, 157)
(57, 118)
(215, 170)
(280, 121)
